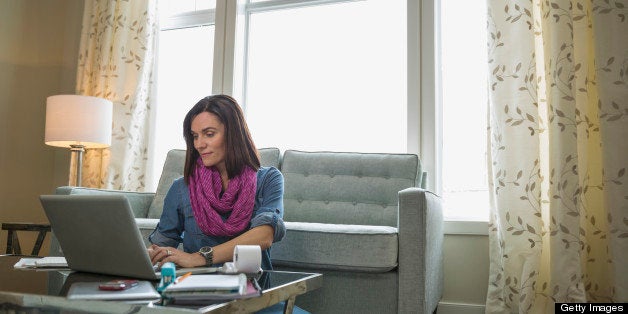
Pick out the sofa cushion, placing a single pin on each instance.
(346, 188)
(338, 247)
(139, 201)
(173, 169)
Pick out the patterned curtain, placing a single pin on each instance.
(116, 59)
(558, 154)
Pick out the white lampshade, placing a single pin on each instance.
(78, 120)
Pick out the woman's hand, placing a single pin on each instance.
(159, 255)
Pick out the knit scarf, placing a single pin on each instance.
(207, 203)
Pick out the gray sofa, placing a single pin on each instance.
(362, 220)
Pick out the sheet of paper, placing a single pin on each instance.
(51, 261)
(25, 263)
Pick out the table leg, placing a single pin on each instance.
(13, 244)
(39, 242)
(289, 305)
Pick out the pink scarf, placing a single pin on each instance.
(207, 204)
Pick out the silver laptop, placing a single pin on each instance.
(144, 292)
(98, 234)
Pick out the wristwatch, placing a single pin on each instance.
(208, 253)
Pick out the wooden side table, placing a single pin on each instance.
(13, 243)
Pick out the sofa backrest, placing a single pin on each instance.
(173, 169)
(346, 188)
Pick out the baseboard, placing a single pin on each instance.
(460, 308)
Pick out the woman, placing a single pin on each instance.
(224, 198)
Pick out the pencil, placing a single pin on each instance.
(182, 277)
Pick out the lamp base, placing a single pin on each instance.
(77, 158)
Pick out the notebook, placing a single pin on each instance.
(207, 289)
(144, 292)
(209, 284)
(98, 234)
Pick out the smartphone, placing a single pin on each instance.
(117, 285)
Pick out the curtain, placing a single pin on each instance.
(116, 60)
(558, 153)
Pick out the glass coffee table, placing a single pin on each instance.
(44, 290)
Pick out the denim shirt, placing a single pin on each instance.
(178, 225)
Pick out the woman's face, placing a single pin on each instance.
(209, 139)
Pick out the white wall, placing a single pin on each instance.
(466, 274)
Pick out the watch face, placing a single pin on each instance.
(208, 253)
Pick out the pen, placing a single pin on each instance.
(180, 278)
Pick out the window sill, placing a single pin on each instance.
(466, 227)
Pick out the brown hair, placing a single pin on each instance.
(240, 150)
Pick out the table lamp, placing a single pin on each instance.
(78, 122)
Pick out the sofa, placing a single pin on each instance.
(363, 220)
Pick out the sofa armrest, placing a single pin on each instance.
(139, 201)
(146, 226)
(420, 227)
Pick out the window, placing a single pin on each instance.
(464, 76)
(313, 81)
(184, 73)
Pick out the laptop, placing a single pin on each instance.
(98, 234)
(144, 292)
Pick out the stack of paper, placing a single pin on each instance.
(206, 288)
(45, 262)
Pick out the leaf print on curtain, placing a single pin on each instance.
(116, 58)
(558, 98)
